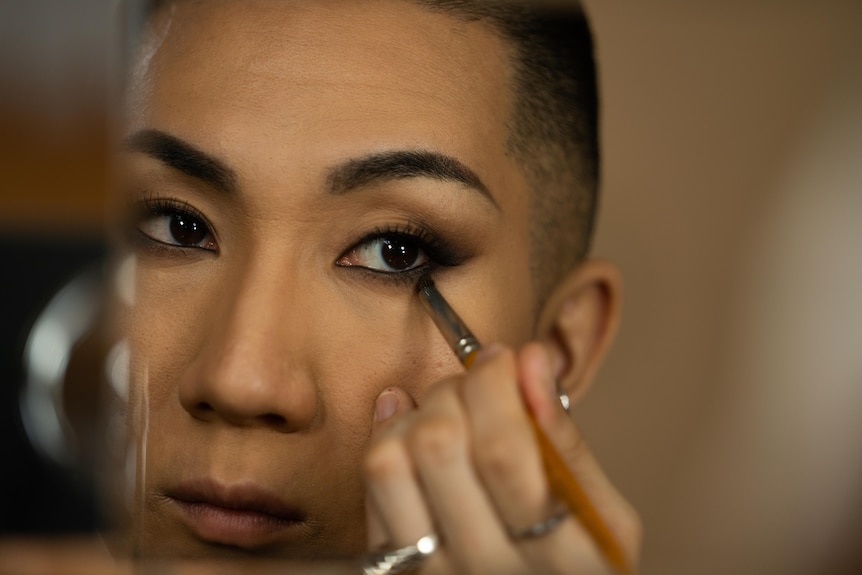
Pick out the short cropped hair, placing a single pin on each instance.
(553, 129)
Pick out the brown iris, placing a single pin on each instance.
(399, 254)
(188, 230)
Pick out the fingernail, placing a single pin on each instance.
(489, 352)
(387, 403)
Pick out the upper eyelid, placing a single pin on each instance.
(156, 206)
(439, 251)
(428, 239)
(160, 205)
(423, 242)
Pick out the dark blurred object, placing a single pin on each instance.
(37, 496)
(54, 127)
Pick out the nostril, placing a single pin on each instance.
(202, 410)
(274, 420)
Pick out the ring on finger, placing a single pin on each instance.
(541, 528)
(400, 560)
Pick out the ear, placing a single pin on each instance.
(578, 323)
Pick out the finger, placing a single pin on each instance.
(510, 464)
(397, 515)
(389, 408)
(378, 537)
(439, 442)
(503, 443)
(539, 391)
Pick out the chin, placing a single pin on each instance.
(244, 541)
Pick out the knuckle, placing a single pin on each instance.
(507, 461)
(438, 439)
(384, 459)
(499, 454)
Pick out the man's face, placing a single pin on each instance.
(296, 168)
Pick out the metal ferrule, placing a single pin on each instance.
(454, 330)
(467, 347)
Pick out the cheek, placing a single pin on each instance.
(163, 329)
(379, 344)
(509, 297)
(166, 329)
(512, 310)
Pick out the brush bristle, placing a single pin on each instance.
(424, 282)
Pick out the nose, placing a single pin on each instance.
(251, 369)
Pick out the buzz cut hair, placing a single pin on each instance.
(553, 128)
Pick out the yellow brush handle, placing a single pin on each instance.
(561, 480)
(565, 487)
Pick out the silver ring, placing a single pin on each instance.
(540, 528)
(400, 560)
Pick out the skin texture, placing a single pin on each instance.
(261, 359)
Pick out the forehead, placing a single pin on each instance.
(322, 77)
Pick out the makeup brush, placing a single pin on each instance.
(560, 478)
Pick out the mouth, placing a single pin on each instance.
(241, 515)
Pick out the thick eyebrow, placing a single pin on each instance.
(184, 157)
(402, 164)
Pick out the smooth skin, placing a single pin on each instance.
(265, 353)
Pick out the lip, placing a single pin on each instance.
(241, 515)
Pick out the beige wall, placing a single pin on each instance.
(731, 409)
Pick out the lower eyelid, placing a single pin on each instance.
(140, 241)
(396, 279)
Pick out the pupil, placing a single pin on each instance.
(399, 255)
(187, 230)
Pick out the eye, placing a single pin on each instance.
(178, 227)
(392, 253)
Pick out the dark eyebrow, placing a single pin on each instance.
(402, 164)
(184, 157)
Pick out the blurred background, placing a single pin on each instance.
(54, 88)
(730, 412)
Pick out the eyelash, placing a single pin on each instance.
(153, 206)
(439, 251)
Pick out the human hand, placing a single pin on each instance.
(466, 466)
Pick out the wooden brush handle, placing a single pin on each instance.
(566, 488)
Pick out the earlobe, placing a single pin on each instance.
(578, 324)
